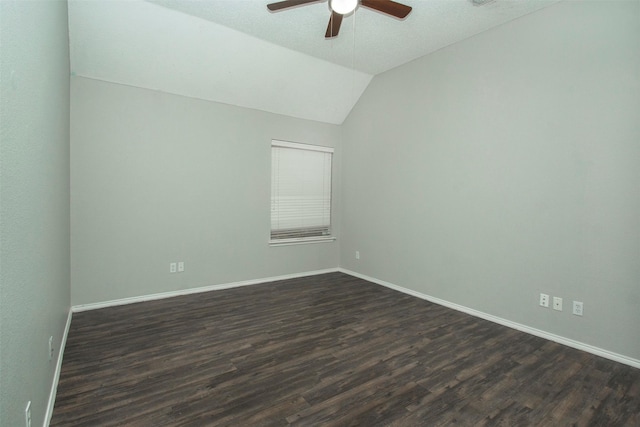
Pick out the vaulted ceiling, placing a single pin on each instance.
(237, 52)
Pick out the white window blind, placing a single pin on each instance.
(300, 191)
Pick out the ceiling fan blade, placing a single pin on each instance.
(287, 4)
(334, 25)
(387, 6)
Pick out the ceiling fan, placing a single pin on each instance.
(340, 8)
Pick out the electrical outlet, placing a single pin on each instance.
(181, 266)
(544, 300)
(27, 415)
(50, 348)
(557, 303)
(357, 254)
(577, 308)
(172, 267)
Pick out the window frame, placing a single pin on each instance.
(275, 143)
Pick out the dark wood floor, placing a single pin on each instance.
(322, 351)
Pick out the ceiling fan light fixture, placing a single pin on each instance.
(343, 7)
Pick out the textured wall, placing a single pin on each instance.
(158, 178)
(34, 202)
(505, 166)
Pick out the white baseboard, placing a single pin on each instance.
(151, 297)
(56, 374)
(518, 326)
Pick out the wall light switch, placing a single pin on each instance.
(181, 266)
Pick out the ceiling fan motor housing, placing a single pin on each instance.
(343, 7)
(339, 8)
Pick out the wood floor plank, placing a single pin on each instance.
(330, 350)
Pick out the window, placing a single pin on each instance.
(300, 192)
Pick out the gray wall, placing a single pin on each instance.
(507, 165)
(157, 178)
(34, 202)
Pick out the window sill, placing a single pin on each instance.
(302, 241)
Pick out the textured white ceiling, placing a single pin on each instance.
(369, 41)
(140, 44)
(239, 53)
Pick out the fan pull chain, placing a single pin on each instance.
(353, 59)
